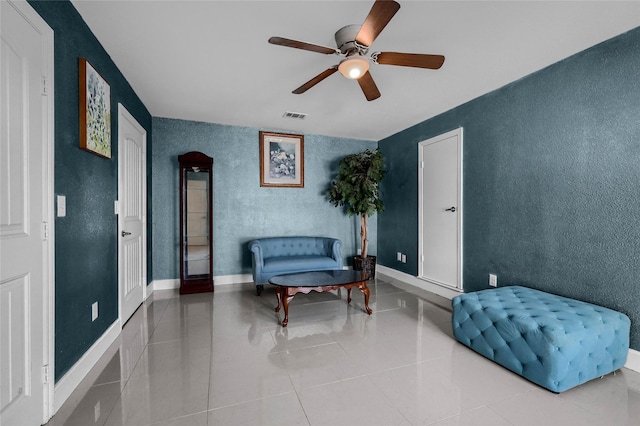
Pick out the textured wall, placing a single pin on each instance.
(85, 240)
(242, 209)
(551, 181)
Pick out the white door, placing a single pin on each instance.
(26, 192)
(440, 203)
(132, 213)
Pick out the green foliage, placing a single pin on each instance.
(358, 183)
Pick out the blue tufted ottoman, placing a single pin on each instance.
(553, 341)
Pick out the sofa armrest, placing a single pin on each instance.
(256, 259)
(335, 247)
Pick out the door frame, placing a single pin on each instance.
(124, 114)
(49, 193)
(48, 219)
(421, 203)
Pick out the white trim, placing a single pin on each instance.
(72, 378)
(124, 114)
(633, 358)
(149, 291)
(403, 278)
(232, 279)
(458, 133)
(49, 190)
(163, 285)
(48, 259)
(218, 280)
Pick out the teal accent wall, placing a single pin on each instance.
(242, 209)
(551, 181)
(86, 257)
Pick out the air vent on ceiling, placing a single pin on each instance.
(296, 115)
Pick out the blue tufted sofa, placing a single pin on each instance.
(553, 341)
(285, 255)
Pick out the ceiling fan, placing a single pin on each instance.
(353, 43)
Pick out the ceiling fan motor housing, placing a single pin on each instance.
(345, 40)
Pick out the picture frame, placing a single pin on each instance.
(281, 160)
(95, 111)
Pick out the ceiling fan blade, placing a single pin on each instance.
(379, 16)
(315, 80)
(281, 41)
(369, 87)
(416, 60)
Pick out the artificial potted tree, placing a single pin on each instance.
(357, 186)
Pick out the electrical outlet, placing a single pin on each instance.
(404, 258)
(399, 257)
(493, 280)
(94, 311)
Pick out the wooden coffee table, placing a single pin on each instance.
(289, 285)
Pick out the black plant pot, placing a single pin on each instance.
(368, 265)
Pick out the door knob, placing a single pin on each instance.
(452, 210)
(125, 233)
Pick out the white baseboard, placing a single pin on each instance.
(72, 378)
(633, 359)
(405, 278)
(232, 279)
(173, 284)
(163, 285)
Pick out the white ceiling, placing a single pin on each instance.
(210, 60)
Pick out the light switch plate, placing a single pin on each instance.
(61, 202)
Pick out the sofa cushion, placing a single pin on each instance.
(298, 263)
(296, 246)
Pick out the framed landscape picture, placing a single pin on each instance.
(281, 160)
(95, 111)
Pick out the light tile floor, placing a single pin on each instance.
(222, 359)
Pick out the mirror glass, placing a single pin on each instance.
(197, 227)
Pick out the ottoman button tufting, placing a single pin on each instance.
(556, 331)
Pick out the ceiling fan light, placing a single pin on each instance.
(353, 68)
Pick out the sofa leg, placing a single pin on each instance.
(259, 289)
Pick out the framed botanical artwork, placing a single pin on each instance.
(95, 111)
(281, 160)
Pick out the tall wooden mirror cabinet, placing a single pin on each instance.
(196, 223)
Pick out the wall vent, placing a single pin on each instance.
(296, 115)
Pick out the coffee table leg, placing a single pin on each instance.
(279, 297)
(285, 302)
(365, 290)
